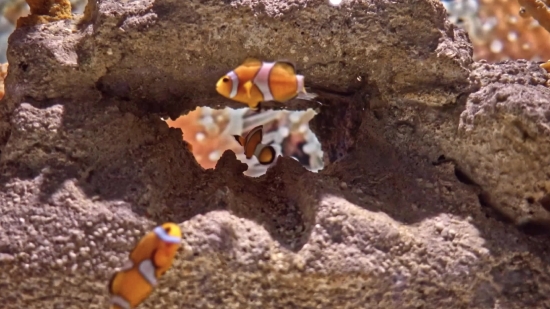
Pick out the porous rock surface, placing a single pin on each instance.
(498, 138)
(402, 216)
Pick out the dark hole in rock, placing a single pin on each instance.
(545, 202)
(462, 177)
(534, 228)
(491, 211)
(24, 66)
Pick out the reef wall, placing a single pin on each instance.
(430, 161)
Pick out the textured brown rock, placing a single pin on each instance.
(87, 167)
(499, 138)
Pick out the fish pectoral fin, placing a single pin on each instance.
(248, 86)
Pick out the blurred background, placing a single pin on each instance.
(496, 29)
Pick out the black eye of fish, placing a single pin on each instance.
(167, 230)
(225, 79)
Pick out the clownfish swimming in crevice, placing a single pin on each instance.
(253, 146)
(256, 81)
(148, 261)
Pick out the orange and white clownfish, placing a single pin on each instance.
(148, 261)
(256, 81)
(252, 144)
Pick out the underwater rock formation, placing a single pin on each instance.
(11, 10)
(405, 214)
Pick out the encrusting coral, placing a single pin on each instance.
(44, 11)
(203, 129)
(498, 32)
(210, 132)
(88, 12)
(12, 10)
(539, 10)
(3, 74)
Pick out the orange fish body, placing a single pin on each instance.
(256, 81)
(148, 261)
(253, 146)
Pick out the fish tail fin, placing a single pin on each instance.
(309, 96)
(302, 93)
(300, 81)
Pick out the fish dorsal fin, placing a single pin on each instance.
(251, 61)
(286, 65)
(289, 62)
(239, 139)
(253, 131)
(111, 285)
(252, 140)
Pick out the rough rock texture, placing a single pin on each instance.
(498, 137)
(393, 221)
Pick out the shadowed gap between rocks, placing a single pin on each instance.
(114, 172)
(338, 122)
(358, 155)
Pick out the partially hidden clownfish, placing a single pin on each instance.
(253, 146)
(256, 81)
(148, 261)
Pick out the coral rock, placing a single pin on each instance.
(87, 165)
(3, 74)
(512, 36)
(539, 10)
(44, 11)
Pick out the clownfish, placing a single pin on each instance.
(256, 81)
(148, 261)
(252, 144)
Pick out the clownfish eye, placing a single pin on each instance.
(225, 79)
(167, 230)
